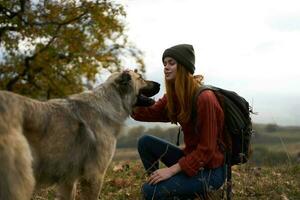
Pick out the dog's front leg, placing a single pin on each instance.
(90, 187)
(66, 191)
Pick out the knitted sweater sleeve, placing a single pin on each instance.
(209, 124)
(155, 113)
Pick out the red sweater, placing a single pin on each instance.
(201, 146)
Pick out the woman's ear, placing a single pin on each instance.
(199, 79)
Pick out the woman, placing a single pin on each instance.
(198, 167)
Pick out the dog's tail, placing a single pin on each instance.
(17, 179)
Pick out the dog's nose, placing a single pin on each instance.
(151, 90)
(156, 84)
(156, 87)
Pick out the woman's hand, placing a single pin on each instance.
(163, 174)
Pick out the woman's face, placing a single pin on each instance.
(170, 68)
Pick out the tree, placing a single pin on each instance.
(52, 48)
(271, 127)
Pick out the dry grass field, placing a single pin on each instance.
(272, 174)
(124, 179)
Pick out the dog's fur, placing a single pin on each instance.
(65, 141)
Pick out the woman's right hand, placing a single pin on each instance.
(163, 174)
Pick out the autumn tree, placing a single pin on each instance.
(52, 48)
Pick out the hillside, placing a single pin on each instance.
(124, 179)
(272, 173)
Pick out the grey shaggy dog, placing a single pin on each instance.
(66, 141)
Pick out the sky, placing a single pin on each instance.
(251, 47)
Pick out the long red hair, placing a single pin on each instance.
(183, 88)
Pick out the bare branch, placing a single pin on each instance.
(55, 22)
(22, 5)
(48, 44)
(13, 81)
(5, 11)
(27, 66)
(7, 28)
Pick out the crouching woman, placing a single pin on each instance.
(198, 167)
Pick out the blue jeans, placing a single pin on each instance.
(179, 186)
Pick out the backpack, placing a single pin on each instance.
(237, 122)
(237, 125)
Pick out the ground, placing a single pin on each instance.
(124, 179)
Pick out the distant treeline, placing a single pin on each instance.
(275, 127)
(130, 140)
(170, 133)
(272, 144)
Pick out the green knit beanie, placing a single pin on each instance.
(183, 54)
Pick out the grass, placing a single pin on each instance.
(124, 179)
(249, 182)
(272, 173)
(279, 182)
(278, 147)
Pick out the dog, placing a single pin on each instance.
(68, 141)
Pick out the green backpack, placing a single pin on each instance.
(238, 128)
(238, 125)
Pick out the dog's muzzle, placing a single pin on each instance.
(145, 94)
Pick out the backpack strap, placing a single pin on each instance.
(194, 107)
(228, 173)
(199, 90)
(178, 136)
(227, 154)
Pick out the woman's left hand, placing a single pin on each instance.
(160, 175)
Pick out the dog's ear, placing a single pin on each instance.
(123, 82)
(124, 78)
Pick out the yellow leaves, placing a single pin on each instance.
(276, 174)
(123, 181)
(121, 167)
(284, 197)
(53, 10)
(120, 182)
(75, 29)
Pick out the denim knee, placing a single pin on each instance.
(147, 191)
(142, 142)
(219, 178)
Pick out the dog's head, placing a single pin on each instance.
(131, 84)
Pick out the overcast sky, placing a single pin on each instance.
(252, 47)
